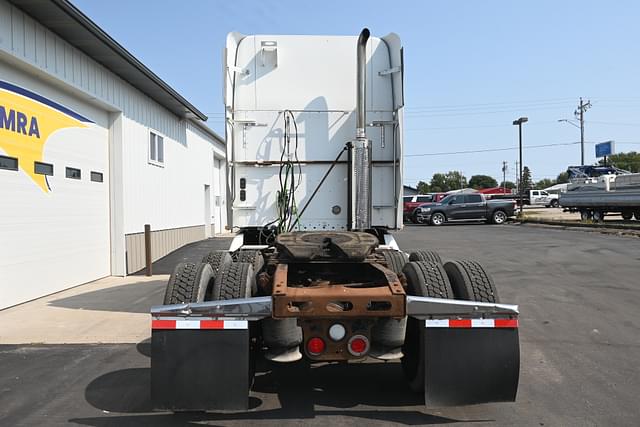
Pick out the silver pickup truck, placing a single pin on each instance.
(474, 206)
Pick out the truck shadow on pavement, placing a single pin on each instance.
(294, 392)
(130, 298)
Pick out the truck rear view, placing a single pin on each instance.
(314, 136)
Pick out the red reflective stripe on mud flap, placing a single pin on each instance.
(506, 323)
(163, 324)
(212, 324)
(460, 323)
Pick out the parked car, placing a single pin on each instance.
(410, 203)
(466, 207)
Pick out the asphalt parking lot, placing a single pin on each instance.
(579, 334)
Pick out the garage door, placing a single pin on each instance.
(54, 207)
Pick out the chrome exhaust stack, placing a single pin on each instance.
(360, 148)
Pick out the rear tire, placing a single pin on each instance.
(470, 281)
(555, 203)
(627, 215)
(598, 216)
(234, 280)
(585, 215)
(423, 255)
(437, 218)
(188, 283)
(387, 334)
(254, 258)
(395, 260)
(499, 217)
(424, 279)
(217, 259)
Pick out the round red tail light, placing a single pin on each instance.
(358, 345)
(315, 346)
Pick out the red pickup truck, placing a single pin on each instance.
(410, 203)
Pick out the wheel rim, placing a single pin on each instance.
(437, 219)
(499, 217)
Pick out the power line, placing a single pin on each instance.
(490, 104)
(490, 150)
(475, 113)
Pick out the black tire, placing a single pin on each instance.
(425, 279)
(636, 215)
(430, 256)
(598, 216)
(470, 281)
(254, 258)
(555, 203)
(627, 215)
(234, 280)
(585, 215)
(499, 217)
(395, 260)
(188, 283)
(437, 218)
(217, 259)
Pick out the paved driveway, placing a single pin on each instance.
(580, 343)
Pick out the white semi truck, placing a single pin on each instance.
(314, 133)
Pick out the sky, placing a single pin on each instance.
(471, 68)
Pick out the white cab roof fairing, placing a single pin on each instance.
(315, 77)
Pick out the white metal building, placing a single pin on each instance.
(93, 146)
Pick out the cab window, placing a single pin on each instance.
(424, 199)
(456, 200)
(473, 198)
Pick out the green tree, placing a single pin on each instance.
(482, 181)
(562, 178)
(439, 183)
(423, 187)
(455, 180)
(628, 161)
(544, 183)
(508, 184)
(526, 178)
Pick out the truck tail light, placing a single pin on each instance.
(315, 346)
(358, 345)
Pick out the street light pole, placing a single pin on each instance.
(519, 123)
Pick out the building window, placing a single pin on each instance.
(96, 176)
(156, 149)
(43, 168)
(10, 163)
(73, 173)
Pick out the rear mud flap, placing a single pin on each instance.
(468, 365)
(199, 365)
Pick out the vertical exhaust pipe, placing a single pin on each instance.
(362, 84)
(360, 151)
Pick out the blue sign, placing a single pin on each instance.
(605, 149)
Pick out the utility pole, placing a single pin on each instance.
(519, 123)
(504, 177)
(517, 177)
(579, 113)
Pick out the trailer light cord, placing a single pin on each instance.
(289, 183)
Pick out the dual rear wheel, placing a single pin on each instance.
(217, 277)
(462, 279)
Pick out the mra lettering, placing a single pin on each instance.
(16, 121)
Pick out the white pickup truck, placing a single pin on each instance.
(533, 198)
